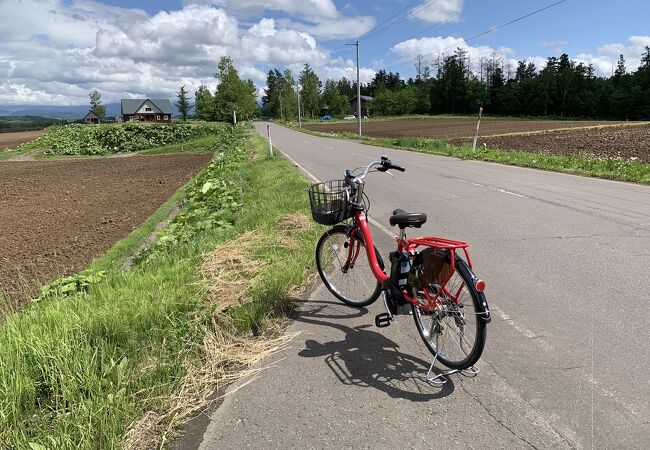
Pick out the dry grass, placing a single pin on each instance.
(230, 269)
(289, 226)
(227, 358)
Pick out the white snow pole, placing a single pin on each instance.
(478, 124)
(268, 132)
(234, 117)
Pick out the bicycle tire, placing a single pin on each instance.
(465, 273)
(360, 275)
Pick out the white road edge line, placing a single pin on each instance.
(494, 188)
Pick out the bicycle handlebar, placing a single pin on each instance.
(383, 165)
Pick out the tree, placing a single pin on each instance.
(233, 94)
(334, 104)
(96, 104)
(204, 104)
(346, 88)
(620, 67)
(310, 92)
(183, 103)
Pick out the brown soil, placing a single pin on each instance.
(450, 128)
(58, 215)
(9, 140)
(627, 142)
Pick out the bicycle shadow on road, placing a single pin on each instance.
(366, 358)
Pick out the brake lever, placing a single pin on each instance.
(390, 174)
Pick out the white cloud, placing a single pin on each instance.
(127, 53)
(336, 28)
(441, 11)
(606, 59)
(431, 47)
(309, 8)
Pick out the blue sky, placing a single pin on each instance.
(56, 51)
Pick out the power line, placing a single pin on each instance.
(427, 4)
(363, 36)
(476, 36)
(457, 15)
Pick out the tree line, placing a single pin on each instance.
(451, 85)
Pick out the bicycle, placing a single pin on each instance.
(427, 277)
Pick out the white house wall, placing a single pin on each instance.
(148, 104)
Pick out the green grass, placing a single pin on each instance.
(76, 372)
(613, 169)
(200, 145)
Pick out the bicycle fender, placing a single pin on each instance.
(483, 307)
(359, 236)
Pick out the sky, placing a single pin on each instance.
(54, 52)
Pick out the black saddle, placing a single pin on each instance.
(407, 219)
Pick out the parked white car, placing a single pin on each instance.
(350, 117)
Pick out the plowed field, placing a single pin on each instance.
(449, 128)
(8, 140)
(627, 142)
(59, 215)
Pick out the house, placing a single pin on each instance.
(91, 117)
(153, 110)
(366, 106)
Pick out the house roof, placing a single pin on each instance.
(364, 98)
(91, 114)
(131, 105)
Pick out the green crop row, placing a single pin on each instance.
(77, 139)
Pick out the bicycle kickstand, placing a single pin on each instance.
(444, 376)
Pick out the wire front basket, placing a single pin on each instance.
(330, 202)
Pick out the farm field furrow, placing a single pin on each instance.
(627, 142)
(59, 215)
(9, 140)
(451, 128)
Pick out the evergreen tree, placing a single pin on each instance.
(346, 88)
(334, 103)
(183, 103)
(310, 92)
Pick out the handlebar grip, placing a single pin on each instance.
(396, 167)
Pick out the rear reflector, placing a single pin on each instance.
(480, 285)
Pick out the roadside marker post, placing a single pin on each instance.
(234, 117)
(268, 132)
(478, 124)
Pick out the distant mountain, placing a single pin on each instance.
(59, 112)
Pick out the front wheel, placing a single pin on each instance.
(344, 268)
(456, 333)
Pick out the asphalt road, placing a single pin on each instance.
(567, 265)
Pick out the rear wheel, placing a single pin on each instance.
(456, 333)
(354, 285)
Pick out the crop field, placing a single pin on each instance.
(9, 140)
(58, 215)
(598, 138)
(630, 142)
(453, 128)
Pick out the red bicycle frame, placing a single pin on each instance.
(410, 246)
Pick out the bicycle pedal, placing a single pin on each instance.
(383, 320)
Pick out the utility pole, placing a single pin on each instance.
(358, 88)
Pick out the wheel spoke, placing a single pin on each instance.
(355, 286)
